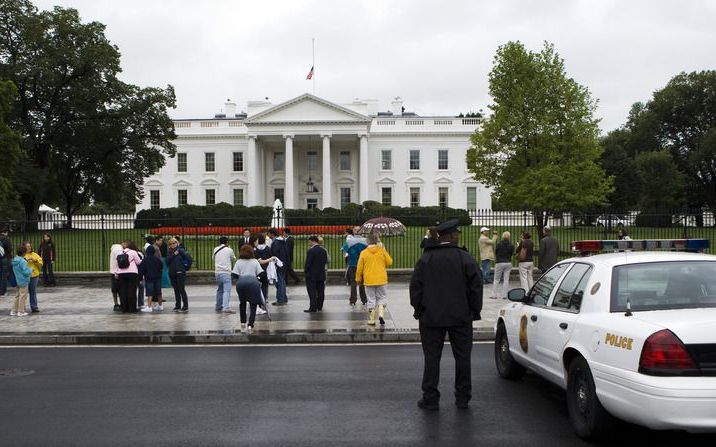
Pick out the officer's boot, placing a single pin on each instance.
(371, 317)
(381, 313)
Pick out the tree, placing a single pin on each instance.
(87, 135)
(685, 113)
(539, 148)
(9, 140)
(618, 161)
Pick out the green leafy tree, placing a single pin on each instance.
(87, 135)
(618, 161)
(9, 141)
(539, 148)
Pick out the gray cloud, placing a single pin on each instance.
(435, 55)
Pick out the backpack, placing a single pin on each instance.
(522, 255)
(123, 260)
(186, 260)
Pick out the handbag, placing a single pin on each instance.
(522, 255)
(13, 281)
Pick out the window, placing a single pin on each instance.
(386, 196)
(182, 197)
(345, 196)
(238, 197)
(414, 197)
(181, 162)
(238, 161)
(414, 159)
(344, 162)
(664, 285)
(386, 160)
(209, 162)
(443, 197)
(210, 196)
(312, 161)
(471, 198)
(539, 295)
(278, 194)
(278, 161)
(312, 203)
(154, 199)
(571, 290)
(442, 159)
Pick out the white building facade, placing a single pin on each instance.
(312, 153)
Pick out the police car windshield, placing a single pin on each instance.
(664, 285)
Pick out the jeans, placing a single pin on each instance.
(485, 265)
(281, 286)
(355, 289)
(502, 272)
(4, 270)
(223, 291)
(48, 275)
(526, 276)
(32, 288)
(178, 283)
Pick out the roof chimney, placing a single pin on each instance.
(230, 108)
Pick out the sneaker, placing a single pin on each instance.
(243, 326)
(13, 313)
(159, 308)
(260, 311)
(146, 309)
(381, 321)
(184, 309)
(21, 314)
(177, 309)
(34, 311)
(228, 311)
(117, 308)
(249, 329)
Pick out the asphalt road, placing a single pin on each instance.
(274, 395)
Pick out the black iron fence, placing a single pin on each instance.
(86, 246)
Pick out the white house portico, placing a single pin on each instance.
(312, 153)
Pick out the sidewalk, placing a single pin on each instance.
(84, 315)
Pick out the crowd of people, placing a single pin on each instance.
(139, 275)
(22, 268)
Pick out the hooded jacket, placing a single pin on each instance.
(21, 270)
(372, 266)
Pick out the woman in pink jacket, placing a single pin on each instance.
(127, 274)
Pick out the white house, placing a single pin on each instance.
(309, 152)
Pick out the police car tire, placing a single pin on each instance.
(587, 415)
(506, 365)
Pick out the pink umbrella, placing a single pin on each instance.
(384, 226)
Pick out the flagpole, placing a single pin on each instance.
(313, 78)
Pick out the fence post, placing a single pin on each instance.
(104, 244)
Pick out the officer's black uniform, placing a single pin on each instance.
(446, 293)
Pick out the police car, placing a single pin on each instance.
(629, 334)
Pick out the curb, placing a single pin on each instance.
(225, 337)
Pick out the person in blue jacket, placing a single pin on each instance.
(22, 273)
(178, 259)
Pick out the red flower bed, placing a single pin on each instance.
(238, 231)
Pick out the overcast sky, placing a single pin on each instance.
(436, 55)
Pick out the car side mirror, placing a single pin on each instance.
(517, 294)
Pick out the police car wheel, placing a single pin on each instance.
(507, 367)
(589, 419)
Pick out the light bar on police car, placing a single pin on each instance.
(592, 246)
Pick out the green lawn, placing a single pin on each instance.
(88, 250)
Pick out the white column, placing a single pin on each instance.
(252, 198)
(363, 171)
(289, 190)
(326, 180)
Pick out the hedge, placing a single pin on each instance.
(226, 215)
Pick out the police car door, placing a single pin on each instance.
(558, 320)
(536, 302)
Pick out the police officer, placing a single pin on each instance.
(446, 293)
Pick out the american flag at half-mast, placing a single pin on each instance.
(310, 74)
